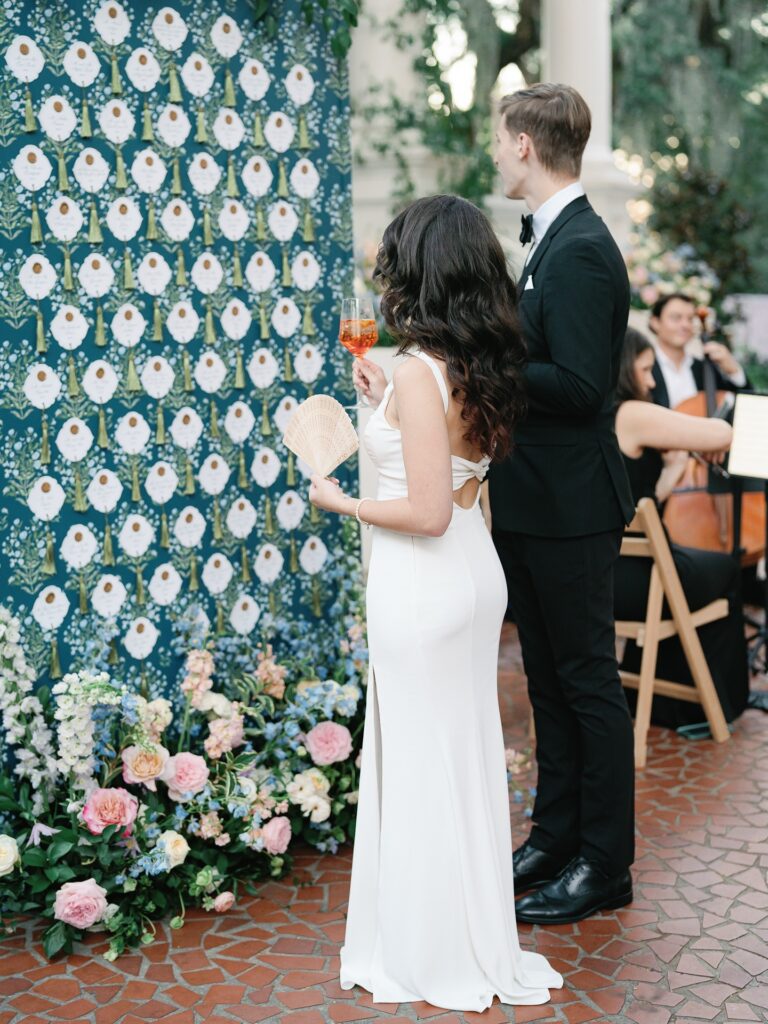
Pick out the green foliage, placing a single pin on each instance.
(337, 17)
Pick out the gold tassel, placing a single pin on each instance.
(261, 227)
(140, 600)
(83, 594)
(121, 178)
(49, 563)
(237, 270)
(290, 473)
(63, 176)
(185, 370)
(308, 232)
(117, 85)
(135, 486)
(266, 426)
(287, 366)
(176, 188)
(308, 325)
(69, 281)
(218, 533)
(45, 447)
(102, 440)
(201, 135)
(80, 504)
(95, 237)
(108, 553)
(86, 132)
(239, 371)
(272, 603)
(101, 336)
(245, 565)
(144, 687)
(30, 121)
(151, 223)
(258, 133)
(219, 618)
(113, 658)
(210, 333)
(229, 89)
(269, 522)
(263, 322)
(282, 181)
(132, 382)
(73, 388)
(317, 609)
(181, 269)
(294, 562)
(232, 190)
(160, 437)
(214, 420)
(40, 344)
(242, 475)
(165, 537)
(36, 229)
(314, 515)
(147, 132)
(55, 672)
(194, 583)
(287, 279)
(189, 478)
(207, 230)
(157, 321)
(174, 92)
(304, 142)
(129, 283)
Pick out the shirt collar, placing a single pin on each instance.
(668, 364)
(548, 211)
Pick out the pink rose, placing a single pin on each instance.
(224, 902)
(80, 904)
(276, 835)
(142, 765)
(106, 807)
(186, 774)
(329, 742)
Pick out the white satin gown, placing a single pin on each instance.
(431, 908)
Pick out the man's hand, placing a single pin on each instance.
(722, 357)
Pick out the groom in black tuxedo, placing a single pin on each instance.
(559, 505)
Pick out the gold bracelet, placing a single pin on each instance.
(362, 522)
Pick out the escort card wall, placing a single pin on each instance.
(176, 232)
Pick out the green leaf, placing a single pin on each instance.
(57, 938)
(34, 857)
(59, 848)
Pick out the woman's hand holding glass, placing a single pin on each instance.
(369, 380)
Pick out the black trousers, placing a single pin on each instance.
(561, 595)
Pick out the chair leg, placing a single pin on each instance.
(648, 668)
(702, 677)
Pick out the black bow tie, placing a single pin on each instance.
(526, 231)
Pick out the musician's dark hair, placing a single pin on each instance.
(446, 289)
(635, 343)
(658, 307)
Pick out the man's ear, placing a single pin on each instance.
(524, 145)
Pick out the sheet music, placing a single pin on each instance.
(749, 451)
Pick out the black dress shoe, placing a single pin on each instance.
(580, 890)
(532, 867)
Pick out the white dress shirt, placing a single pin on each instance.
(550, 210)
(680, 381)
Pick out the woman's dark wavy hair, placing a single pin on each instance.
(446, 288)
(635, 343)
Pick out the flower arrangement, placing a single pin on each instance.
(129, 809)
(655, 269)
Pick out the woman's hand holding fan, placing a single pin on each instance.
(321, 433)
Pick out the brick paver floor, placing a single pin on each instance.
(692, 947)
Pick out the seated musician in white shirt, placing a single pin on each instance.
(678, 374)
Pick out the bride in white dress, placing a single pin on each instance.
(431, 909)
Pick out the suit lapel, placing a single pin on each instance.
(660, 394)
(577, 206)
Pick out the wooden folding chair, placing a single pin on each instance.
(645, 538)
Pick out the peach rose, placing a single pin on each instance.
(186, 774)
(80, 904)
(142, 765)
(329, 742)
(106, 807)
(224, 902)
(276, 835)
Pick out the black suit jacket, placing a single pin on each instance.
(566, 476)
(661, 395)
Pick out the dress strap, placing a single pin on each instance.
(436, 371)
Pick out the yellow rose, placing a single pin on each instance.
(9, 855)
(175, 846)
